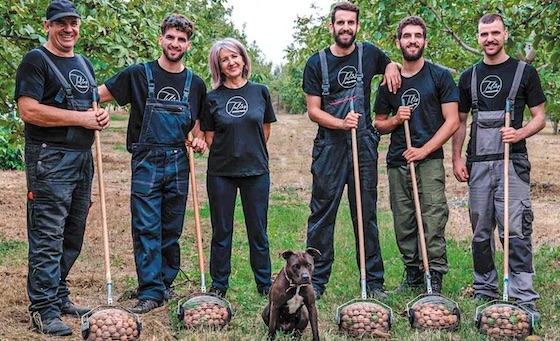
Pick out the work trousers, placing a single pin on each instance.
(430, 179)
(59, 196)
(332, 170)
(486, 208)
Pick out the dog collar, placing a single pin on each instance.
(291, 284)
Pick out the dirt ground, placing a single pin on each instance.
(290, 149)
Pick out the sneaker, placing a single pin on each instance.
(217, 292)
(317, 293)
(51, 326)
(531, 307)
(70, 309)
(169, 294)
(264, 291)
(482, 297)
(144, 306)
(378, 293)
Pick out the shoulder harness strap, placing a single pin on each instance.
(151, 83)
(187, 88)
(66, 89)
(324, 73)
(515, 85)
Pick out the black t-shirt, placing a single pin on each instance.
(342, 73)
(36, 79)
(130, 86)
(424, 92)
(493, 85)
(236, 117)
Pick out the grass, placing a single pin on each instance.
(287, 230)
(12, 252)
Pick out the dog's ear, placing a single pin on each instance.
(286, 254)
(313, 252)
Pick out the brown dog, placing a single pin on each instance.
(291, 303)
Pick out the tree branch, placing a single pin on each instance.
(453, 34)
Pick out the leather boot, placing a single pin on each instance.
(437, 281)
(413, 279)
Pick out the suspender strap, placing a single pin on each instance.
(65, 86)
(474, 89)
(360, 74)
(92, 81)
(512, 92)
(151, 83)
(325, 73)
(187, 86)
(515, 86)
(325, 69)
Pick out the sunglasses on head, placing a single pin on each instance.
(179, 20)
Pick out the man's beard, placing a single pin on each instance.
(343, 44)
(498, 50)
(172, 59)
(412, 57)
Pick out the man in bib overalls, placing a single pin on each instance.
(486, 89)
(166, 99)
(337, 80)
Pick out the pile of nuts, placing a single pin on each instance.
(206, 314)
(113, 324)
(433, 315)
(365, 319)
(503, 320)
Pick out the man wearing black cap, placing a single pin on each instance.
(54, 90)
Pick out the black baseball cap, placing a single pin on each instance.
(60, 9)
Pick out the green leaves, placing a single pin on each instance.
(452, 33)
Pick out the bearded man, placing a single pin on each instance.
(337, 83)
(428, 100)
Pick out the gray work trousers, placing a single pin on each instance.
(486, 206)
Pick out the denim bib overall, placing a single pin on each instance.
(486, 201)
(332, 169)
(160, 174)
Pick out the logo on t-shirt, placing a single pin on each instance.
(168, 93)
(347, 77)
(79, 81)
(490, 86)
(237, 106)
(411, 98)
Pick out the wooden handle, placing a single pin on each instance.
(359, 214)
(418, 211)
(99, 160)
(506, 208)
(194, 192)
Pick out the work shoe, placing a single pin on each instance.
(264, 291)
(169, 294)
(531, 307)
(317, 293)
(482, 297)
(72, 310)
(437, 281)
(378, 293)
(144, 306)
(51, 326)
(217, 292)
(413, 279)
